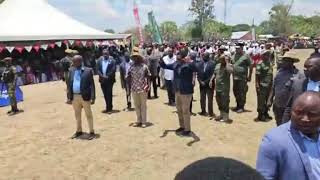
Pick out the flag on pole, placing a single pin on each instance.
(137, 18)
(156, 35)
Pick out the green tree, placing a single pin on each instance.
(1, 1)
(241, 27)
(169, 30)
(264, 28)
(215, 30)
(202, 10)
(280, 18)
(109, 31)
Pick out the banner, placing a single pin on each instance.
(4, 97)
(137, 18)
(156, 35)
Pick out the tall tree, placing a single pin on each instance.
(202, 10)
(1, 1)
(169, 30)
(280, 18)
(241, 27)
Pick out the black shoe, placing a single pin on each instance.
(76, 135)
(156, 97)
(212, 115)
(219, 118)
(186, 133)
(91, 136)
(179, 130)
(235, 109)
(203, 113)
(260, 118)
(268, 116)
(240, 110)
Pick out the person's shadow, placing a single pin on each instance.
(85, 136)
(193, 136)
(218, 168)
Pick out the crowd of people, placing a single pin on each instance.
(293, 93)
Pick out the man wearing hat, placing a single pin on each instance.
(264, 78)
(66, 63)
(9, 77)
(139, 80)
(282, 81)
(242, 73)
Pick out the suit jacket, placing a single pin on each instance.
(87, 87)
(123, 74)
(110, 72)
(282, 155)
(205, 74)
(298, 86)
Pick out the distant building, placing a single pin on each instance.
(242, 35)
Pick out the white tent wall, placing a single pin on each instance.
(36, 20)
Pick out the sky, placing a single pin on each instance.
(118, 14)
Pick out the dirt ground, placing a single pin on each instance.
(36, 144)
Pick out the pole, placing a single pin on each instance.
(225, 12)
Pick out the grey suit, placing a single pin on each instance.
(124, 83)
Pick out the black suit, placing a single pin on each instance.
(107, 80)
(205, 72)
(124, 83)
(87, 86)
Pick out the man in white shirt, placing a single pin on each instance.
(169, 75)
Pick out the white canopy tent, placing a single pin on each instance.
(36, 20)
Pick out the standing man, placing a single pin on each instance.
(106, 68)
(169, 76)
(66, 63)
(153, 57)
(81, 93)
(124, 69)
(242, 72)
(205, 72)
(311, 82)
(138, 78)
(264, 78)
(291, 151)
(281, 84)
(183, 85)
(316, 51)
(9, 78)
(221, 76)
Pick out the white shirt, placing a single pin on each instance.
(169, 74)
(313, 86)
(127, 66)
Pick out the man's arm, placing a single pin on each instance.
(166, 66)
(267, 164)
(68, 81)
(112, 70)
(93, 88)
(99, 69)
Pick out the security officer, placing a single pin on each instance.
(282, 83)
(221, 75)
(9, 77)
(66, 63)
(242, 73)
(264, 78)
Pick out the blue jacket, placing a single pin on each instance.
(183, 76)
(282, 155)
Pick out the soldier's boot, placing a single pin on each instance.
(225, 117)
(235, 109)
(268, 116)
(220, 117)
(261, 117)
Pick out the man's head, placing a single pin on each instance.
(206, 57)
(312, 68)
(135, 56)
(305, 114)
(105, 53)
(170, 52)
(288, 59)
(77, 61)
(7, 61)
(127, 56)
(239, 48)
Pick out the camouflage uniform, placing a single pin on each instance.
(241, 64)
(9, 78)
(264, 77)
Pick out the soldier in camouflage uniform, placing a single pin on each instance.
(242, 72)
(264, 78)
(221, 75)
(9, 77)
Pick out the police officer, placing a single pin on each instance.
(242, 66)
(282, 83)
(66, 63)
(264, 78)
(9, 77)
(221, 75)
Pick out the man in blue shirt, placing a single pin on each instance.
(81, 92)
(292, 150)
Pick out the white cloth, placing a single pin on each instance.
(313, 86)
(169, 74)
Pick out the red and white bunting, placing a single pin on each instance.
(1, 49)
(19, 49)
(89, 43)
(44, 46)
(83, 43)
(71, 42)
(78, 43)
(28, 48)
(52, 45)
(36, 48)
(96, 43)
(10, 48)
(59, 43)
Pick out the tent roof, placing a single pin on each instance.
(239, 35)
(32, 20)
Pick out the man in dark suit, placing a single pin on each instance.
(124, 68)
(205, 72)
(291, 151)
(106, 69)
(81, 92)
(299, 85)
